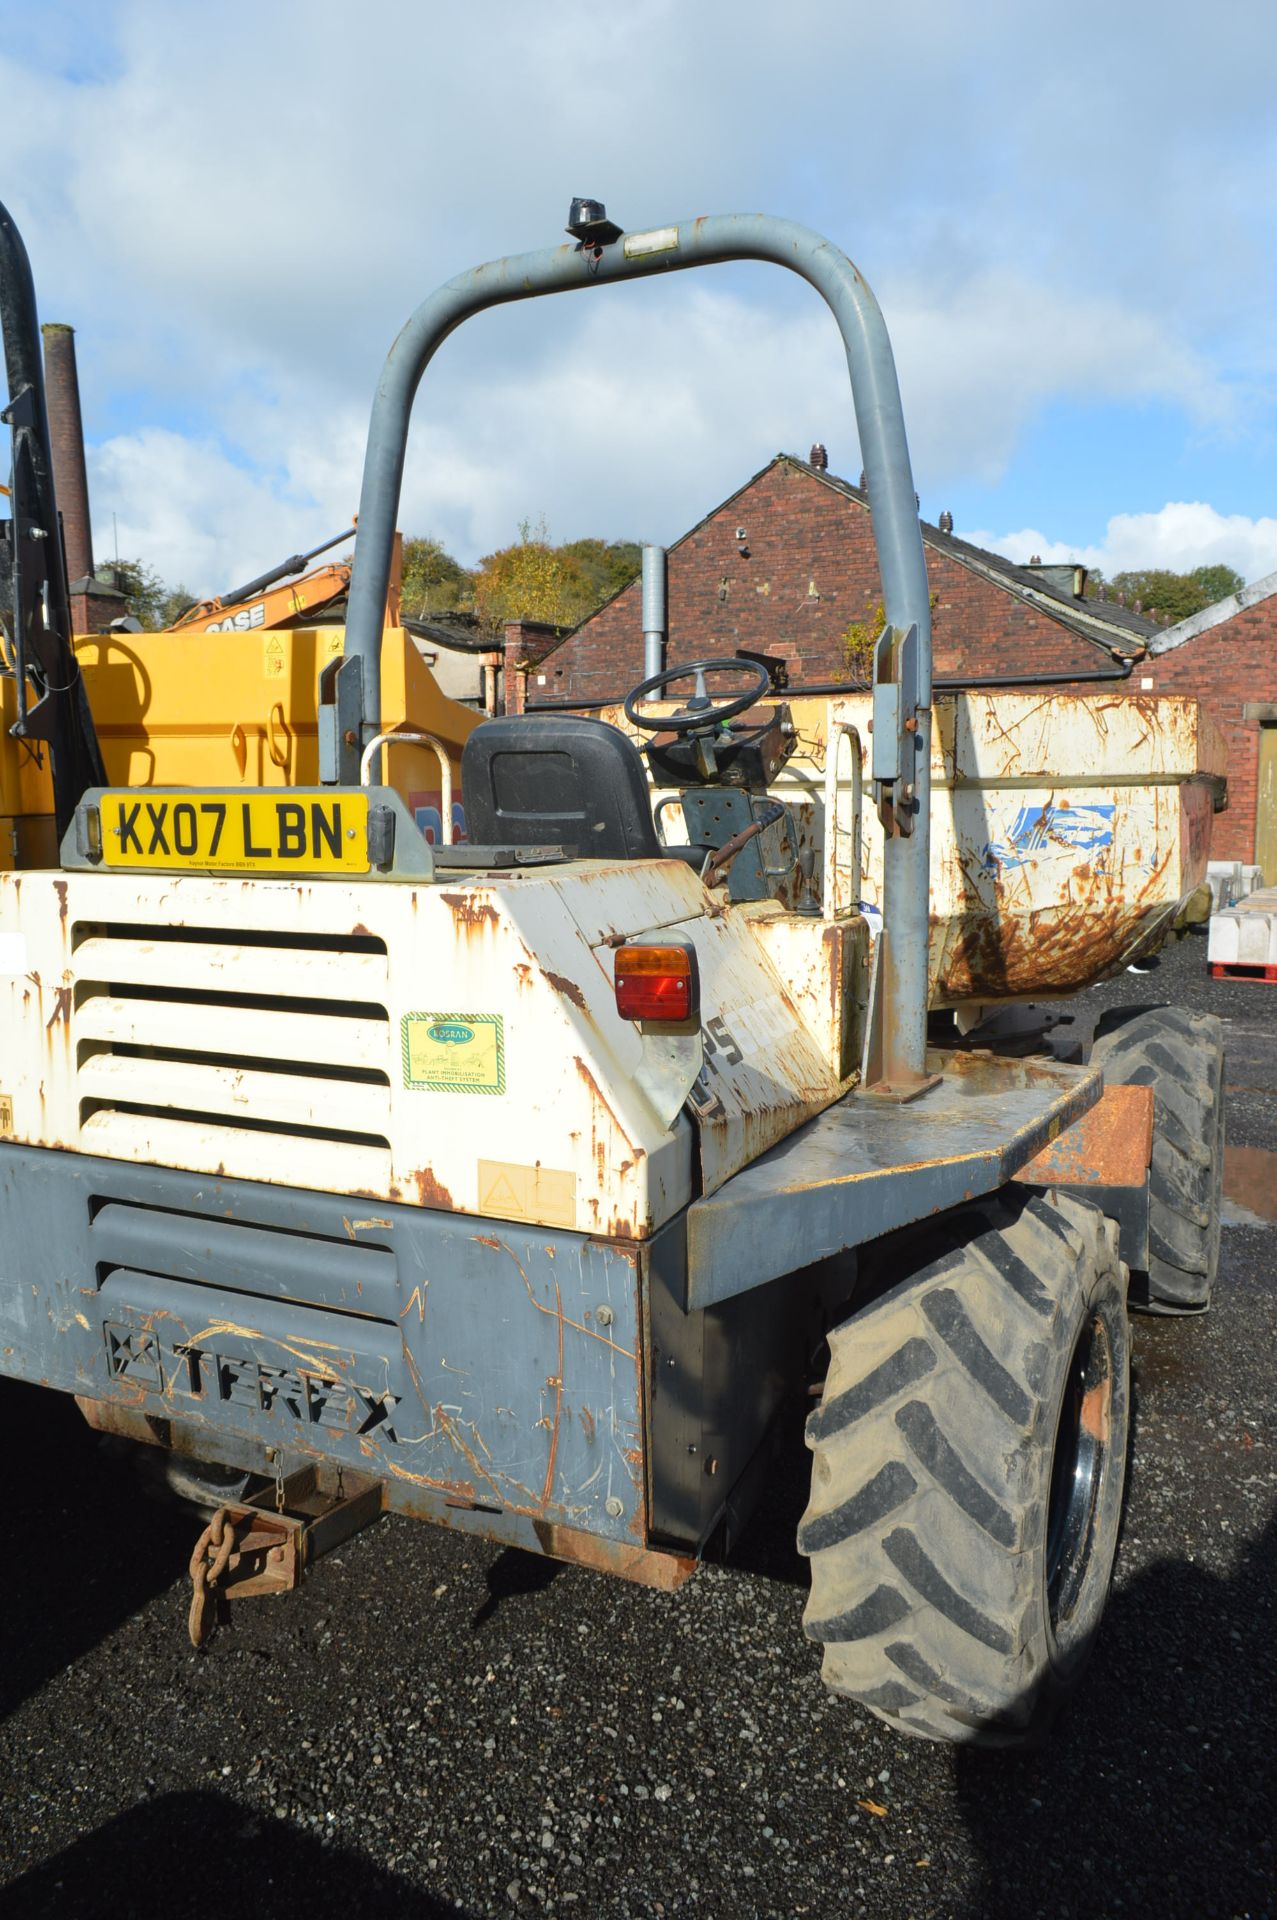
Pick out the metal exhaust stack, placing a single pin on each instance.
(655, 617)
(66, 433)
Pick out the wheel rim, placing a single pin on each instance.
(1078, 1468)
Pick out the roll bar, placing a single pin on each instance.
(602, 253)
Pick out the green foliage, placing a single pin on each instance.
(563, 585)
(174, 605)
(145, 594)
(605, 566)
(858, 643)
(861, 637)
(531, 580)
(433, 582)
(1217, 582)
(1163, 594)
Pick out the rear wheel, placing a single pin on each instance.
(1181, 1056)
(970, 1452)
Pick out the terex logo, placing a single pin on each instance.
(312, 1399)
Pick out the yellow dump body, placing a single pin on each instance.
(224, 710)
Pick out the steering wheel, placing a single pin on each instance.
(701, 714)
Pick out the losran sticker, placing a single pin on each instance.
(454, 1052)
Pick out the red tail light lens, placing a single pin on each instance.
(657, 983)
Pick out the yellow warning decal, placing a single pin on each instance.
(508, 1191)
(244, 833)
(454, 1052)
(6, 1113)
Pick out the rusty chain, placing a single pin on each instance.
(209, 1562)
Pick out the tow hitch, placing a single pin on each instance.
(266, 1545)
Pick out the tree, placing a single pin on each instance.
(531, 580)
(433, 582)
(1165, 594)
(145, 594)
(606, 565)
(1217, 582)
(174, 605)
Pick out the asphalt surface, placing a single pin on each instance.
(432, 1726)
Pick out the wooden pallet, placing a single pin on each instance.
(1240, 970)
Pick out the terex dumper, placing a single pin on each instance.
(517, 1184)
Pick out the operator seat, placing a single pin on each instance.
(560, 779)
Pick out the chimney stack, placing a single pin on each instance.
(66, 432)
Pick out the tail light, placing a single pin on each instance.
(657, 982)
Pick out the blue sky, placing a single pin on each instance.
(1068, 219)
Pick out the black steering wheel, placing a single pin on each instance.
(701, 714)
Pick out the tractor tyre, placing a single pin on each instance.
(1181, 1056)
(970, 1456)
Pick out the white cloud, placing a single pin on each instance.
(237, 208)
(980, 355)
(1182, 535)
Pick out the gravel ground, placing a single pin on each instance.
(431, 1726)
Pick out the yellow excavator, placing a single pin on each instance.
(273, 599)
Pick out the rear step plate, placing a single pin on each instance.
(861, 1169)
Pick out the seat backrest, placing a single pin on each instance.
(558, 779)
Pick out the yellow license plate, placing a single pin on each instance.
(278, 832)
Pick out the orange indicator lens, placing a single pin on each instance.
(656, 983)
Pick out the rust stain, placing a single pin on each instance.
(588, 1424)
(557, 1383)
(568, 988)
(600, 1101)
(470, 914)
(61, 1008)
(577, 1326)
(644, 1566)
(1109, 1146)
(486, 1240)
(430, 1193)
(60, 888)
(458, 1489)
(1095, 1410)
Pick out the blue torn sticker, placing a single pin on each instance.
(1038, 830)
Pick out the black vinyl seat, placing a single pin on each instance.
(562, 779)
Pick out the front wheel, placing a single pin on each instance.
(969, 1463)
(1181, 1056)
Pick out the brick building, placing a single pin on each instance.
(786, 567)
(1228, 656)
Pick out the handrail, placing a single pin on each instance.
(393, 738)
(840, 730)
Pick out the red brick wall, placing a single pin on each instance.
(1229, 665)
(809, 573)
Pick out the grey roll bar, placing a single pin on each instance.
(896, 1057)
